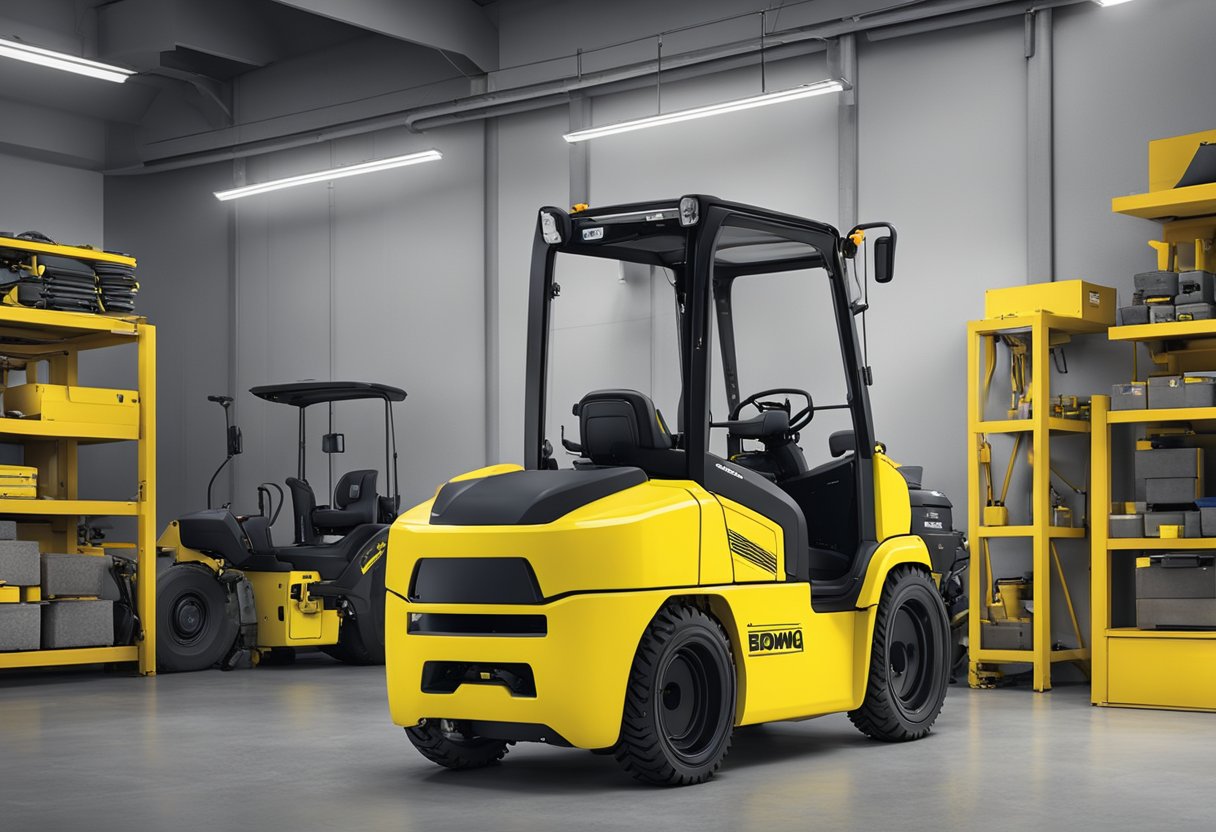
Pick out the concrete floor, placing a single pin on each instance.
(311, 747)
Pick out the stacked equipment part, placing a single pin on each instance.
(117, 285)
(62, 283)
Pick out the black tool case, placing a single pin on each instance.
(1176, 591)
(933, 522)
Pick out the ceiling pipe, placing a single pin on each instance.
(530, 97)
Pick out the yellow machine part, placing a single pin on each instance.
(605, 570)
(1066, 298)
(283, 621)
(286, 621)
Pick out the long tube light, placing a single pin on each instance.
(61, 60)
(1111, 2)
(792, 94)
(331, 174)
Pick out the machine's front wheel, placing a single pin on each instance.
(444, 741)
(909, 661)
(194, 629)
(680, 703)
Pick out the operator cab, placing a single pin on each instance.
(788, 279)
(324, 537)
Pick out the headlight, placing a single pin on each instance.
(690, 211)
(548, 228)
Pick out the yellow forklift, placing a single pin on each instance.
(229, 596)
(657, 593)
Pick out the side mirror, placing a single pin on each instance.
(235, 444)
(333, 443)
(884, 259)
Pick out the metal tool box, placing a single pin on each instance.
(1161, 313)
(1130, 525)
(1172, 490)
(1154, 520)
(62, 403)
(18, 481)
(1176, 591)
(1169, 462)
(1132, 395)
(1133, 315)
(1199, 391)
(1194, 311)
(1066, 298)
(1166, 391)
(1195, 287)
(1157, 284)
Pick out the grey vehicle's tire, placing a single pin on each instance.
(443, 742)
(195, 628)
(909, 662)
(680, 704)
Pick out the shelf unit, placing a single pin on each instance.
(58, 338)
(1046, 330)
(1173, 669)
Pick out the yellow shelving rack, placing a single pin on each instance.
(1154, 668)
(58, 338)
(1045, 330)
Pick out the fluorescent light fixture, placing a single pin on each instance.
(1111, 2)
(331, 174)
(61, 60)
(792, 94)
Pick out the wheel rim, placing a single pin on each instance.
(910, 657)
(689, 701)
(188, 618)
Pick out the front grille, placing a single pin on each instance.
(457, 624)
(474, 581)
(447, 677)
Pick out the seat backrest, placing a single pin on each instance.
(303, 503)
(617, 427)
(356, 492)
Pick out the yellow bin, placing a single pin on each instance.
(61, 403)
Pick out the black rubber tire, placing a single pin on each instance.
(351, 647)
(443, 742)
(909, 661)
(195, 625)
(680, 703)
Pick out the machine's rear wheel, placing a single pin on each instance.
(680, 703)
(445, 742)
(353, 646)
(194, 627)
(909, 662)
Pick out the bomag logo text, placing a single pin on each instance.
(773, 640)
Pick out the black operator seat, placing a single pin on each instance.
(624, 428)
(355, 503)
(303, 504)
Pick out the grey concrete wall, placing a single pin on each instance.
(374, 278)
(179, 233)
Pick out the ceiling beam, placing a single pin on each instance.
(458, 28)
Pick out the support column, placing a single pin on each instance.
(842, 63)
(580, 152)
(490, 292)
(1040, 151)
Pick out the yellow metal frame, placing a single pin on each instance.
(1133, 668)
(58, 338)
(1045, 330)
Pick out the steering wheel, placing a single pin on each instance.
(798, 419)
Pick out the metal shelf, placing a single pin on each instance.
(79, 655)
(1115, 544)
(68, 508)
(1058, 532)
(1168, 331)
(1054, 424)
(1162, 414)
(1166, 206)
(1132, 632)
(83, 432)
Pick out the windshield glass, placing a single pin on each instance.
(612, 326)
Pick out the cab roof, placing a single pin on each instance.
(305, 393)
